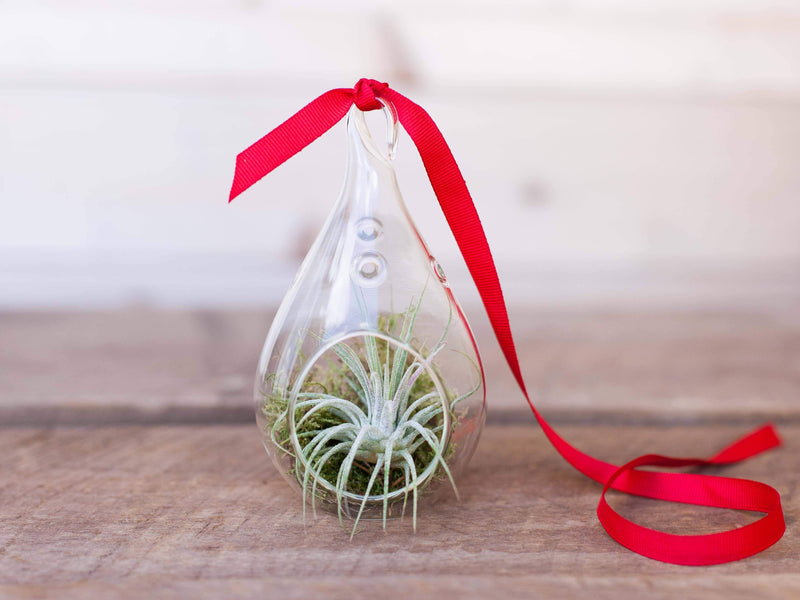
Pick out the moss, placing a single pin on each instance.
(332, 379)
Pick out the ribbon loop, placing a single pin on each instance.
(321, 114)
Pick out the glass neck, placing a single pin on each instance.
(369, 171)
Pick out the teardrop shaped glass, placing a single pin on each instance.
(369, 391)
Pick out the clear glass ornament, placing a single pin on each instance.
(369, 392)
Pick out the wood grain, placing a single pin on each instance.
(183, 511)
(143, 366)
(130, 465)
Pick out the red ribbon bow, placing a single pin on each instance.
(705, 490)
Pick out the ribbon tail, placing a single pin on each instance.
(723, 492)
(459, 210)
(755, 442)
(702, 490)
(289, 138)
(462, 217)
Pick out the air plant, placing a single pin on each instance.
(371, 426)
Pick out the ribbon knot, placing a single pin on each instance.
(366, 93)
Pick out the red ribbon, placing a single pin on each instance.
(723, 492)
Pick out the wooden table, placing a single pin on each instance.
(131, 466)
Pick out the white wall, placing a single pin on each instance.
(605, 142)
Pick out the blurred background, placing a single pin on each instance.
(619, 152)
(636, 166)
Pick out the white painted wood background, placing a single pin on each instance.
(617, 150)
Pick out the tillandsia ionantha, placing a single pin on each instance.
(371, 425)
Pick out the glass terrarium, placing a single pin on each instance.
(369, 392)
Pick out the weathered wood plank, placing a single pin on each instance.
(140, 366)
(539, 587)
(131, 511)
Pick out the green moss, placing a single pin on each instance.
(338, 393)
(332, 379)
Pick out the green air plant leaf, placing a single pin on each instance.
(370, 426)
